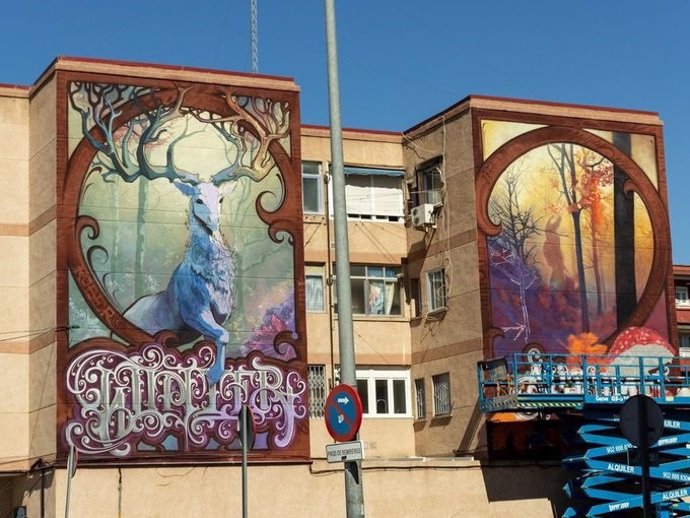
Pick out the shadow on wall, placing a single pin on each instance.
(473, 440)
(526, 482)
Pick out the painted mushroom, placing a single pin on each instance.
(634, 342)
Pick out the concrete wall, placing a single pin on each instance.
(16, 328)
(444, 489)
(447, 341)
(379, 341)
(43, 267)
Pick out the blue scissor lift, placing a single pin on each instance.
(591, 390)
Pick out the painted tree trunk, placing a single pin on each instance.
(624, 231)
(139, 284)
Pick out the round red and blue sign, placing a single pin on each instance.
(343, 413)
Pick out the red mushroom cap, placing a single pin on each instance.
(635, 342)
(641, 341)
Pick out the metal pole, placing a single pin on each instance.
(254, 35)
(353, 472)
(643, 429)
(243, 438)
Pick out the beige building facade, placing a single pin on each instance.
(430, 299)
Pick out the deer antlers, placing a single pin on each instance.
(256, 123)
(126, 156)
(253, 126)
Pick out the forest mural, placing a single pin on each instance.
(182, 249)
(576, 241)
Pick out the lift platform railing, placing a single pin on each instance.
(537, 381)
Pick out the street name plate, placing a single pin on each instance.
(345, 451)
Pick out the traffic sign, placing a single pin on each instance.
(641, 420)
(246, 421)
(344, 451)
(343, 413)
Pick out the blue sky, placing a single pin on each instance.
(400, 61)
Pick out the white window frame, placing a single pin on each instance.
(316, 177)
(434, 303)
(370, 376)
(443, 403)
(682, 298)
(313, 272)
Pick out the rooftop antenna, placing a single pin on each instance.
(254, 34)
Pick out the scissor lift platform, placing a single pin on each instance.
(608, 479)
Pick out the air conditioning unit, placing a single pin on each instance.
(423, 215)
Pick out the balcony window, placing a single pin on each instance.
(375, 290)
(682, 298)
(374, 194)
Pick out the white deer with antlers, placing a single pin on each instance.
(199, 296)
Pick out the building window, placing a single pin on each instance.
(375, 290)
(312, 194)
(684, 351)
(430, 182)
(314, 289)
(316, 379)
(441, 386)
(682, 296)
(415, 298)
(437, 289)
(384, 392)
(420, 398)
(374, 194)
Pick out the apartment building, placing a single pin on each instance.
(681, 278)
(167, 242)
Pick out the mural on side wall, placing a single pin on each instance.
(182, 242)
(577, 245)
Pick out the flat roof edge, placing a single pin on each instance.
(160, 71)
(538, 107)
(313, 130)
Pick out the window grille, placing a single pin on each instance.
(430, 182)
(420, 394)
(437, 289)
(316, 379)
(441, 387)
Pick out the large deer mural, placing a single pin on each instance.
(200, 293)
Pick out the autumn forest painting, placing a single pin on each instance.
(573, 247)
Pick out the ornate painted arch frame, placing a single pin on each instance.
(654, 303)
(130, 393)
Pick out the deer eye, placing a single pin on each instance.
(221, 200)
(199, 201)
